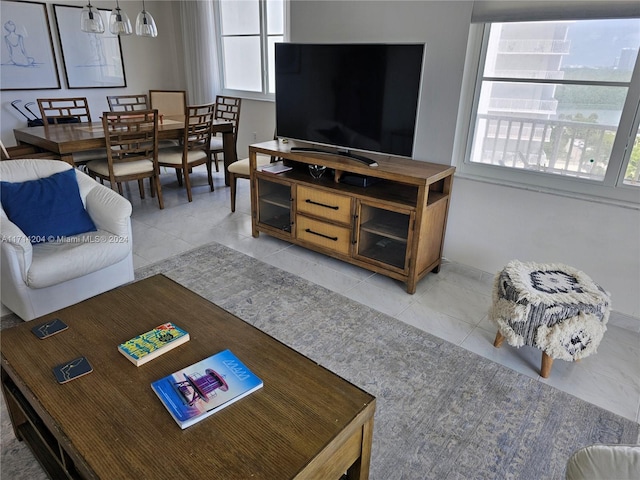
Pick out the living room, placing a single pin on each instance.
(490, 222)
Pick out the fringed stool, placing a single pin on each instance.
(553, 307)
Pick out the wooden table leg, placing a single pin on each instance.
(499, 339)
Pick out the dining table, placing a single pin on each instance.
(67, 139)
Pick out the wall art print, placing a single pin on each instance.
(27, 59)
(91, 60)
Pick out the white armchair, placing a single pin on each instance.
(43, 277)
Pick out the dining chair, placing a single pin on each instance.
(64, 110)
(70, 110)
(227, 109)
(195, 148)
(169, 102)
(128, 103)
(132, 151)
(240, 169)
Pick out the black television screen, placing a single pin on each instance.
(353, 96)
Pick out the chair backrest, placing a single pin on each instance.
(197, 129)
(128, 103)
(130, 138)
(169, 102)
(228, 109)
(64, 110)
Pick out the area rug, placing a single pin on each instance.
(442, 411)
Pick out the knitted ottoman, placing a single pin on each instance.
(553, 307)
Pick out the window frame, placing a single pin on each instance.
(264, 52)
(610, 190)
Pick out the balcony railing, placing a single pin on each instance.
(552, 146)
(555, 47)
(523, 105)
(533, 74)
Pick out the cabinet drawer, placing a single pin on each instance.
(323, 234)
(323, 204)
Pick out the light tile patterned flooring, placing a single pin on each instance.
(452, 304)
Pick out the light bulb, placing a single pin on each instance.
(119, 23)
(91, 20)
(145, 24)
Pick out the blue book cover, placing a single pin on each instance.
(201, 389)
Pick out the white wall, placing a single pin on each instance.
(149, 63)
(488, 224)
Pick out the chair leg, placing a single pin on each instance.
(209, 175)
(152, 186)
(179, 175)
(547, 363)
(158, 188)
(215, 159)
(232, 184)
(498, 341)
(187, 183)
(120, 188)
(141, 188)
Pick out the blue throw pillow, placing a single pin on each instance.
(47, 208)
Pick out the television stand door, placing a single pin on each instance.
(393, 223)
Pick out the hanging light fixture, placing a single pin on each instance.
(145, 24)
(119, 23)
(91, 20)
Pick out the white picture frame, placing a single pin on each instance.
(27, 58)
(91, 60)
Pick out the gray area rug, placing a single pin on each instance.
(442, 412)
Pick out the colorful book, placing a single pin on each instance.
(153, 343)
(200, 390)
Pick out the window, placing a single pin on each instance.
(248, 31)
(555, 106)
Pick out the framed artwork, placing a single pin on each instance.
(91, 60)
(27, 59)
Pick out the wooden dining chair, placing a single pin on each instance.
(195, 148)
(128, 103)
(132, 151)
(64, 110)
(227, 109)
(70, 110)
(169, 102)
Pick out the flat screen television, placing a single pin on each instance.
(351, 96)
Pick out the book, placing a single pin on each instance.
(149, 345)
(65, 372)
(276, 167)
(46, 329)
(206, 387)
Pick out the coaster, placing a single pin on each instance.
(45, 330)
(71, 370)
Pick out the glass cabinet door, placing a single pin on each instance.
(383, 235)
(274, 204)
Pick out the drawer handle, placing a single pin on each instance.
(308, 230)
(321, 204)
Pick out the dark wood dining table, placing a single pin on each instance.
(66, 139)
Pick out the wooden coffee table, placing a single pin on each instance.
(305, 423)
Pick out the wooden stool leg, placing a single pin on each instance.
(498, 341)
(547, 363)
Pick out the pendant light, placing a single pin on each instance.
(91, 20)
(119, 23)
(145, 24)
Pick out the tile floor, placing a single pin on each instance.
(452, 304)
